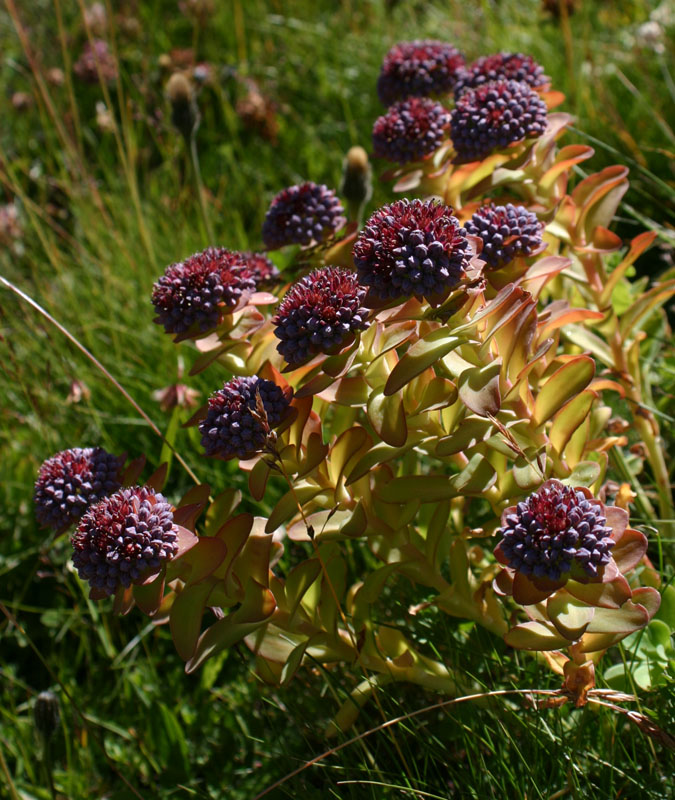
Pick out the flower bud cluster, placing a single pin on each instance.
(410, 130)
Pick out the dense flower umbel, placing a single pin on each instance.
(507, 231)
(262, 270)
(96, 59)
(230, 429)
(493, 116)
(198, 290)
(70, 481)
(320, 314)
(411, 248)
(304, 214)
(410, 130)
(123, 538)
(502, 66)
(418, 69)
(556, 532)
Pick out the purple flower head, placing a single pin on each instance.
(95, 57)
(70, 481)
(200, 289)
(494, 115)
(502, 66)
(320, 314)
(556, 531)
(507, 231)
(410, 130)
(411, 248)
(231, 428)
(262, 270)
(418, 69)
(124, 537)
(305, 214)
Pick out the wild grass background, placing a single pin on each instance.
(103, 212)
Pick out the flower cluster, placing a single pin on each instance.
(502, 66)
(123, 538)
(96, 58)
(305, 214)
(411, 248)
(320, 314)
(418, 69)
(494, 115)
(262, 270)
(507, 231)
(197, 291)
(556, 531)
(410, 130)
(232, 427)
(70, 481)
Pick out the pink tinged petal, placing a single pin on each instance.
(528, 591)
(609, 572)
(535, 636)
(603, 595)
(629, 549)
(617, 520)
(570, 616)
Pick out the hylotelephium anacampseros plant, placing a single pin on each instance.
(428, 391)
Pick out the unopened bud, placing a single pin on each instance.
(357, 183)
(184, 112)
(46, 714)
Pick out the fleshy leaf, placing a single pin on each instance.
(570, 616)
(604, 595)
(535, 636)
(570, 379)
(421, 355)
(387, 416)
(479, 389)
(629, 550)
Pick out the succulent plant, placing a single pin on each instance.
(418, 69)
(262, 270)
(70, 481)
(306, 214)
(410, 130)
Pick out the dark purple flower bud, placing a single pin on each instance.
(494, 115)
(70, 481)
(507, 231)
(418, 69)
(305, 214)
(502, 66)
(412, 248)
(320, 314)
(263, 271)
(124, 538)
(554, 531)
(410, 130)
(47, 714)
(198, 291)
(96, 59)
(233, 427)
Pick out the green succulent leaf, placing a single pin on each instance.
(421, 355)
(568, 380)
(535, 635)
